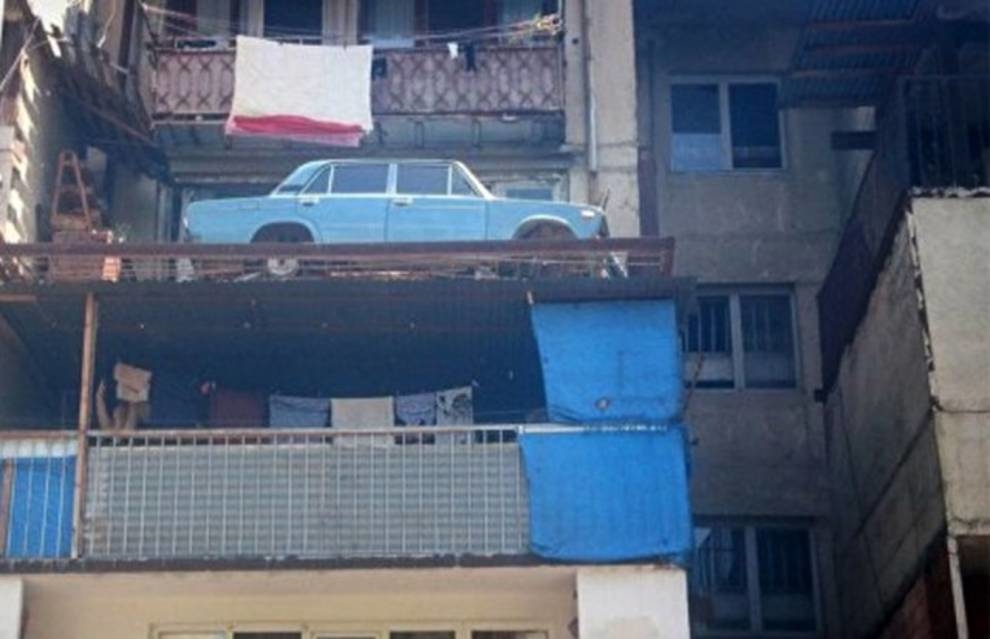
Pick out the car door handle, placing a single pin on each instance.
(402, 201)
(309, 201)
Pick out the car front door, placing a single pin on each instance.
(348, 202)
(433, 202)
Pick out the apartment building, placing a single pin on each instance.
(194, 448)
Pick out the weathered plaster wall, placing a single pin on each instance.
(884, 470)
(952, 239)
(632, 603)
(40, 132)
(119, 606)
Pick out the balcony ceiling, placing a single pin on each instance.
(348, 337)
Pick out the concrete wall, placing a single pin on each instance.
(40, 132)
(884, 469)
(632, 603)
(952, 239)
(11, 607)
(110, 606)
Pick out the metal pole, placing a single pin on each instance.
(90, 329)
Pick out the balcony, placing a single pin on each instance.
(933, 138)
(509, 81)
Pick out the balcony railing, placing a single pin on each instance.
(933, 137)
(191, 83)
(32, 264)
(316, 494)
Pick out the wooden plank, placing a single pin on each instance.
(90, 331)
(6, 492)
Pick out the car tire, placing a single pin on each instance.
(537, 269)
(282, 267)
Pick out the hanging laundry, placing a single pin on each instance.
(303, 93)
(416, 410)
(298, 412)
(237, 409)
(455, 407)
(362, 414)
(470, 57)
(453, 50)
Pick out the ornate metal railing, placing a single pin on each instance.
(190, 83)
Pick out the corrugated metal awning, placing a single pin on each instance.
(851, 50)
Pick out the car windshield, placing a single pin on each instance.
(297, 180)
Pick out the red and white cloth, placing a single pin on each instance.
(301, 92)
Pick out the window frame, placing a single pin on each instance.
(750, 527)
(725, 123)
(737, 351)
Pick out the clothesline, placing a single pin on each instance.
(550, 24)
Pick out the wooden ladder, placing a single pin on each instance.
(73, 206)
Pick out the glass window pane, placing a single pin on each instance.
(431, 634)
(422, 179)
(768, 341)
(509, 634)
(755, 126)
(786, 579)
(459, 185)
(709, 342)
(696, 139)
(360, 178)
(320, 184)
(719, 594)
(296, 19)
(389, 23)
(543, 193)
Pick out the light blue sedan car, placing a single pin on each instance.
(344, 201)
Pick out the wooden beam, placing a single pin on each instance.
(90, 331)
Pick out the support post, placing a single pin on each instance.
(90, 329)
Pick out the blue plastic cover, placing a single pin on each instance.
(610, 361)
(40, 523)
(608, 495)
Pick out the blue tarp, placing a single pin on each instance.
(40, 523)
(610, 361)
(608, 495)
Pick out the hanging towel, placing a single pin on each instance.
(362, 414)
(455, 407)
(304, 93)
(298, 412)
(416, 410)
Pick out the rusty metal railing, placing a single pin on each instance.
(605, 258)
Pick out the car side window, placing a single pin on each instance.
(422, 179)
(360, 178)
(459, 184)
(320, 184)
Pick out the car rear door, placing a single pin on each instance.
(432, 202)
(349, 203)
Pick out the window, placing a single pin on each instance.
(321, 183)
(752, 579)
(296, 19)
(767, 342)
(422, 179)
(741, 340)
(509, 634)
(443, 634)
(389, 23)
(360, 179)
(459, 185)
(718, 126)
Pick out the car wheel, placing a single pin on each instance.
(544, 266)
(282, 267)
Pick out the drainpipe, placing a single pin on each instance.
(591, 108)
(958, 600)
